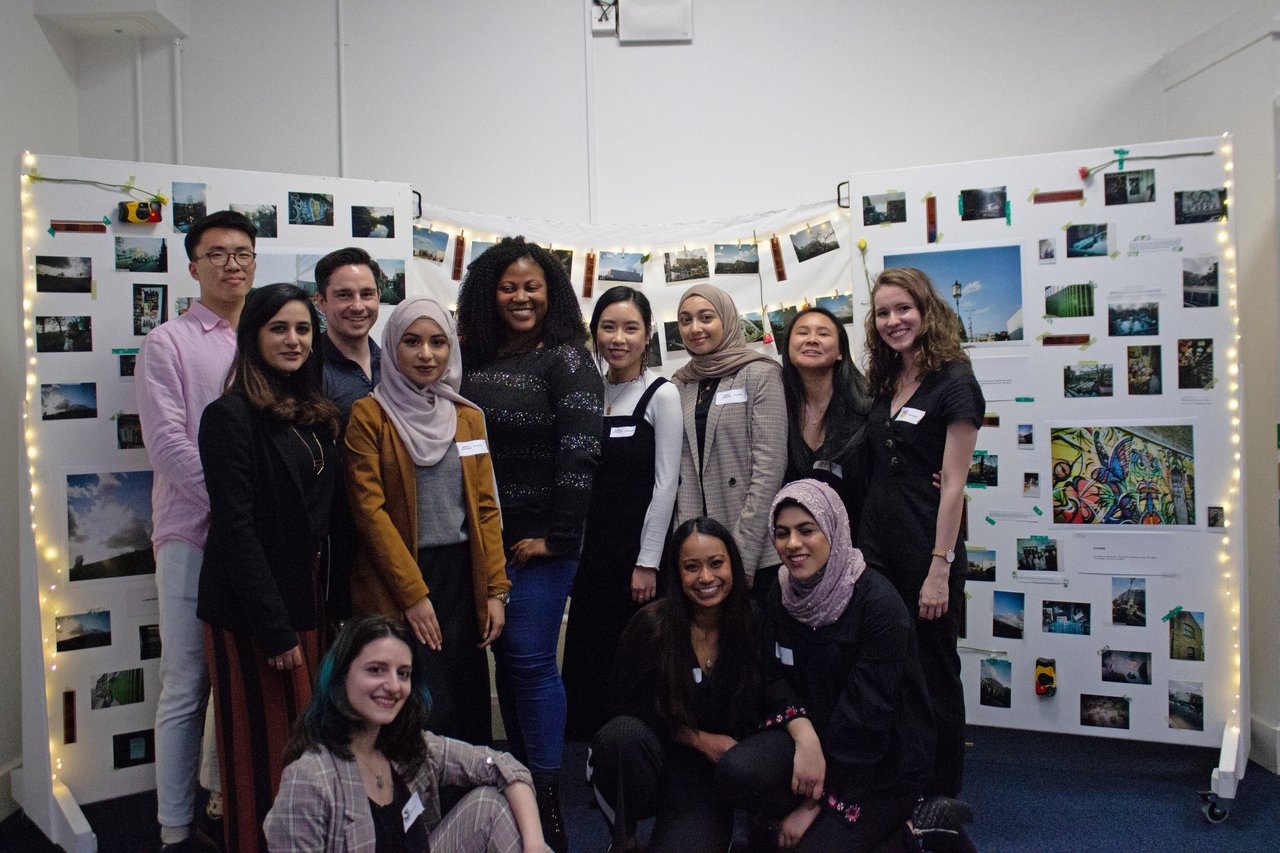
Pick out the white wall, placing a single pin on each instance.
(40, 115)
(485, 106)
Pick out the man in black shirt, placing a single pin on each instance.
(347, 296)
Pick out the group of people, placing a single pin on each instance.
(452, 489)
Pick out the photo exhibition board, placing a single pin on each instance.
(1104, 535)
(95, 282)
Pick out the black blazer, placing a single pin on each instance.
(258, 575)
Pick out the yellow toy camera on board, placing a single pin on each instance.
(141, 212)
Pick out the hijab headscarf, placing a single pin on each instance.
(732, 353)
(821, 603)
(425, 418)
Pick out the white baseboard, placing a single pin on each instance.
(1265, 743)
(8, 805)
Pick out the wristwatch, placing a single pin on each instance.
(504, 597)
(947, 555)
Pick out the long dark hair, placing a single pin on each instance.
(846, 417)
(937, 342)
(481, 331)
(297, 399)
(612, 296)
(330, 721)
(737, 658)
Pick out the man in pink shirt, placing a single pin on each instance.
(182, 367)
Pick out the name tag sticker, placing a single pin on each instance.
(910, 415)
(411, 810)
(472, 448)
(784, 654)
(622, 431)
(836, 469)
(733, 395)
(697, 675)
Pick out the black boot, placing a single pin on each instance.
(547, 788)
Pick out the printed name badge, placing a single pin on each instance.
(411, 810)
(910, 415)
(733, 395)
(622, 431)
(472, 448)
(784, 654)
(836, 469)
(697, 675)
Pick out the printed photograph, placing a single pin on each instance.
(150, 307)
(1129, 602)
(1144, 370)
(429, 244)
(1065, 617)
(1131, 320)
(995, 689)
(779, 320)
(981, 565)
(310, 209)
(133, 749)
(565, 256)
(1048, 250)
(984, 471)
(1026, 437)
(983, 285)
(1195, 363)
(181, 305)
(148, 642)
(82, 631)
(1088, 379)
(671, 335)
(263, 217)
(68, 401)
(58, 274)
(1126, 667)
(839, 304)
(1186, 635)
(1217, 518)
(479, 247)
(64, 334)
(623, 267)
(812, 241)
(142, 254)
(1008, 612)
(128, 432)
(1192, 206)
(1069, 300)
(1031, 484)
(128, 363)
(737, 259)
(1037, 554)
(188, 205)
(113, 689)
(1134, 187)
(752, 326)
(685, 265)
(653, 352)
(1104, 712)
(109, 525)
(986, 203)
(990, 419)
(884, 208)
(391, 282)
(1199, 282)
(1123, 474)
(376, 222)
(1186, 705)
(1087, 241)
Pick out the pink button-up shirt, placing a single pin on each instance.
(182, 367)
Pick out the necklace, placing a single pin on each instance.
(622, 389)
(317, 464)
(377, 774)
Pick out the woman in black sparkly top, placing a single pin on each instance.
(525, 364)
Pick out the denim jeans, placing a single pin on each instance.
(184, 683)
(530, 692)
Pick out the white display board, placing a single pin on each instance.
(1104, 528)
(88, 298)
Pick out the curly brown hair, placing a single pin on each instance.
(937, 342)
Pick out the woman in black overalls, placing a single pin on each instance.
(631, 505)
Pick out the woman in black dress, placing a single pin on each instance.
(926, 415)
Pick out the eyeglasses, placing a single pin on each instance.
(219, 258)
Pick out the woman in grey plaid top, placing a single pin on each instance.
(364, 777)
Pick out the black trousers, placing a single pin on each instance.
(637, 774)
(940, 662)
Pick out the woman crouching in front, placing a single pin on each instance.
(363, 776)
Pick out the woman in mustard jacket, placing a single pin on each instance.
(425, 504)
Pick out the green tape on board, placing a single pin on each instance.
(1174, 612)
(1033, 399)
(1037, 510)
(990, 520)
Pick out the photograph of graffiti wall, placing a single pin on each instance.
(1123, 475)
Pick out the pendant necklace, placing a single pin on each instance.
(621, 386)
(317, 464)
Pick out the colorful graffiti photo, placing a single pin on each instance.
(1123, 475)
